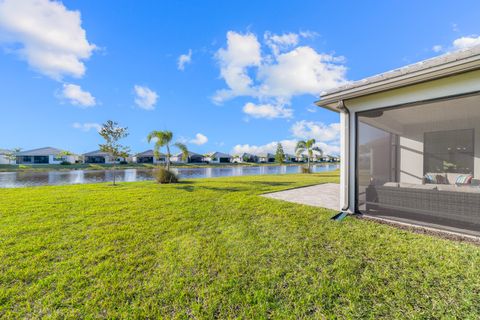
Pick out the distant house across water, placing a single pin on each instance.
(192, 158)
(218, 157)
(245, 157)
(3, 157)
(47, 155)
(101, 157)
(149, 157)
(266, 157)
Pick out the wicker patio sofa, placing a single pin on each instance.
(460, 203)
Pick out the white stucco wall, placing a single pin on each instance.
(71, 159)
(411, 160)
(4, 160)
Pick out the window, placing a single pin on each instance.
(40, 159)
(449, 151)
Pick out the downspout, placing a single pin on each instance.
(343, 108)
(346, 157)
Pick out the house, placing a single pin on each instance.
(4, 158)
(218, 157)
(265, 157)
(290, 157)
(192, 158)
(249, 157)
(317, 157)
(301, 158)
(149, 157)
(330, 158)
(410, 143)
(98, 156)
(47, 155)
(245, 157)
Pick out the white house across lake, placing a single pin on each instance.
(3, 157)
(192, 158)
(100, 157)
(266, 157)
(218, 157)
(149, 157)
(47, 155)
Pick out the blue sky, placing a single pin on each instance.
(249, 71)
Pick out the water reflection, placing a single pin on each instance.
(32, 178)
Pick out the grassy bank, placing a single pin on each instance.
(59, 167)
(215, 248)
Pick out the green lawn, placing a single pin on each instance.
(215, 249)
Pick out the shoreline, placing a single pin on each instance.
(6, 168)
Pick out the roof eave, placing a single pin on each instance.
(441, 71)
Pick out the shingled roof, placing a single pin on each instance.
(148, 153)
(96, 153)
(40, 152)
(434, 68)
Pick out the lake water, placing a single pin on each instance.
(33, 178)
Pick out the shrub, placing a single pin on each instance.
(65, 163)
(163, 175)
(305, 169)
(123, 162)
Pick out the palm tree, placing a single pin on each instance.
(309, 147)
(164, 139)
(183, 148)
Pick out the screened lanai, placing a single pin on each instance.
(421, 163)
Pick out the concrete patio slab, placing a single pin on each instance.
(324, 195)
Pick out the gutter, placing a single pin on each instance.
(451, 68)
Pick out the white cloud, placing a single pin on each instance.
(316, 130)
(327, 138)
(466, 42)
(242, 51)
(76, 96)
(275, 79)
(184, 59)
(300, 71)
(286, 39)
(308, 34)
(288, 147)
(48, 36)
(87, 126)
(280, 42)
(145, 98)
(199, 139)
(267, 111)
